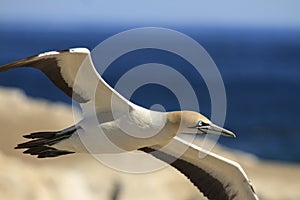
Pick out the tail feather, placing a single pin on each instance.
(41, 143)
(45, 135)
(38, 150)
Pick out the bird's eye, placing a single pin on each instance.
(200, 123)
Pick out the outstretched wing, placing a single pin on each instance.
(216, 177)
(73, 72)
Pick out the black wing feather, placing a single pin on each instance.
(211, 187)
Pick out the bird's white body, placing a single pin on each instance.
(129, 131)
(112, 124)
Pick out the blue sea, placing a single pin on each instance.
(260, 68)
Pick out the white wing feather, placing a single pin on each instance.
(74, 73)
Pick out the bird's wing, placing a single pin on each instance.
(73, 72)
(216, 177)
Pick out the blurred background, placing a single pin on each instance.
(255, 45)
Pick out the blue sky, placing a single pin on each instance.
(212, 12)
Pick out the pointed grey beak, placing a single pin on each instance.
(214, 129)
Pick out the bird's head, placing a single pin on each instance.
(195, 123)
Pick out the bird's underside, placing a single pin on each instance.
(72, 71)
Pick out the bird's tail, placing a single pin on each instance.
(41, 143)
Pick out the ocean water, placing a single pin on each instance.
(260, 69)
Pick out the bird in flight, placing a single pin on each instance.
(128, 127)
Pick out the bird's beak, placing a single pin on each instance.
(214, 129)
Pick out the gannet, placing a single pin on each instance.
(127, 126)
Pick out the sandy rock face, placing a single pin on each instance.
(77, 177)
